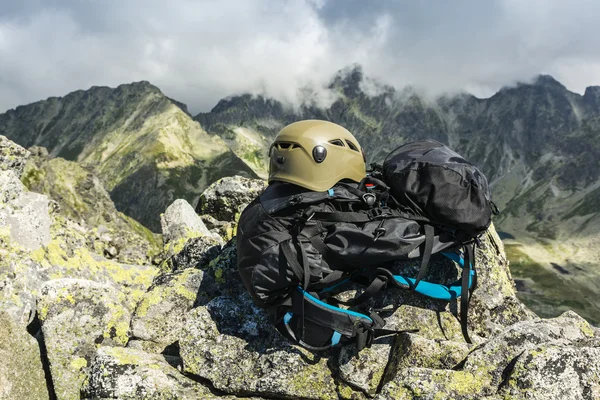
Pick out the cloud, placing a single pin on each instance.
(200, 51)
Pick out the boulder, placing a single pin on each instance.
(30, 221)
(180, 221)
(76, 316)
(197, 252)
(12, 156)
(432, 384)
(83, 199)
(128, 374)
(543, 359)
(556, 371)
(231, 343)
(161, 314)
(226, 198)
(364, 370)
(25, 215)
(489, 362)
(21, 370)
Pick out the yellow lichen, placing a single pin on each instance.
(78, 363)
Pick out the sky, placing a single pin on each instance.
(200, 51)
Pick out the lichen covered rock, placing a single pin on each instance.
(432, 384)
(231, 343)
(127, 374)
(180, 221)
(83, 199)
(556, 371)
(76, 316)
(226, 198)
(161, 314)
(490, 361)
(24, 214)
(12, 156)
(21, 370)
(197, 252)
(364, 370)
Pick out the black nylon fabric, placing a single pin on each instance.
(267, 275)
(436, 182)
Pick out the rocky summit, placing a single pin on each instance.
(78, 323)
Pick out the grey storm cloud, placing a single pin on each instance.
(200, 51)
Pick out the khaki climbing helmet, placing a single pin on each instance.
(316, 155)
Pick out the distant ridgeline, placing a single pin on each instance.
(538, 143)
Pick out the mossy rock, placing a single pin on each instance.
(21, 370)
(76, 317)
(161, 314)
(127, 374)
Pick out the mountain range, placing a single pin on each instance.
(538, 143)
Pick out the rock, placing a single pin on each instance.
(224, 229)
(12, 156)
(30, 222)
(196, 253)
(231, 343)
(83, 198)
(38, 151)
(21, 370)
(76, 316)
(111, 252)
(490, 360)
(11, 187)
(161, 314)
(180, 221)
(432, 384)
(347, 392)
(365, 370)
(494, 304)
(226, 198)
(23, 272)
(555, 371)
(413, 350)
(127, 374)
(25, 214)
(224, 270)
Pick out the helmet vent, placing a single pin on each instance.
(287, 145)
(352, 145)
(337, 142)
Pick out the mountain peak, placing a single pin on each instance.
(548, 81)
(348, 79)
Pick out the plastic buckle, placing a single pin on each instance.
(379, 213)
(375, 213)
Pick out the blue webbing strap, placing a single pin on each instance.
(435, 290)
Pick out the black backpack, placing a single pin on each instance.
(431, 180)
(298, 248)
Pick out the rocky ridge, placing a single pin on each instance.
(83, 326)
(144, 146)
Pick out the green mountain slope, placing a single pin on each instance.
(144, 146)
